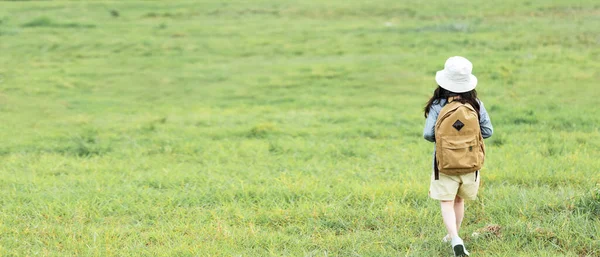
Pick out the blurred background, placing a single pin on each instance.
(289, 128)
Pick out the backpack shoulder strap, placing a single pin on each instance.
(436, 170)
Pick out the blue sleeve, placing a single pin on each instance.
(484, 122)
(428, 131)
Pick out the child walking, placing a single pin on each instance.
(452, 115)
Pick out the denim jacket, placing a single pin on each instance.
(428, 132)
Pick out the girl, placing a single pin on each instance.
(455, 83)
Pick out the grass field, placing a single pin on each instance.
(290, 128)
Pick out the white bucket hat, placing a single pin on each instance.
(456, 76)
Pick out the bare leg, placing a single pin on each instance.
(449, 218)
(459, 211)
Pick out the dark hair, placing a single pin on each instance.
(441, 93)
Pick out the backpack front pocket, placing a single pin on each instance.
(459, 152)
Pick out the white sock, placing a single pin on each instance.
(457, 241)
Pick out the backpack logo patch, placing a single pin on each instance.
(458, 125)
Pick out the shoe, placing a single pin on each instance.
(460, 251)
(447, 239)
(459, 248)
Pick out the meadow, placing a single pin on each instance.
(290, 128)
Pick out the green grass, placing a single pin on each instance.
(289, 128)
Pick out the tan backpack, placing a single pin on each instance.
(458, 140)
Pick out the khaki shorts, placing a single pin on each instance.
(448, 187)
